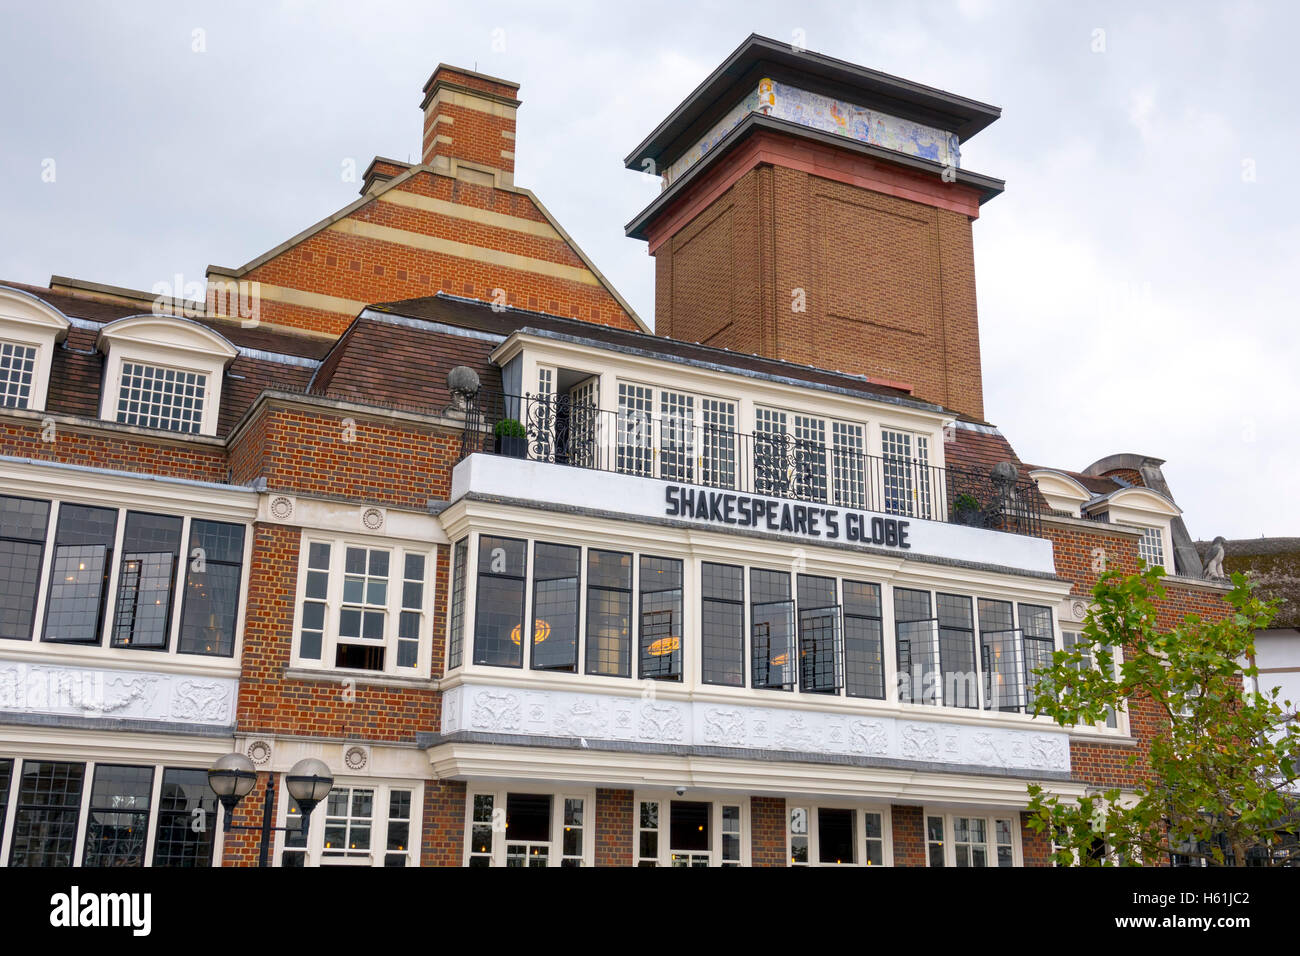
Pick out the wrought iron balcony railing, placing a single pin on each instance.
(679, 449)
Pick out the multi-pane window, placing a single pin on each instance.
(117, 825)
(456, 630)
(17, 372)
(718, 443)
(211, 604)
(905, 468)
(820, 648)
(968, 840)
(635, 429)
(771, 469)
(772, 630)
(510, 828)
(47, 814)
(916, 639)
(542, 416)
(677, 436)
(150, 548)
(1068, 640)
(957, 651)
(1151, 547)
(864, 651)
(6, 777)
(499, 611)
(1039, 643)
(835, 836)
(1000, 648)
(362, 608)
(369, 825)
(23, 527)
(584, 405)
(187, 819)
(688, 833)
(556, 584)
(155, 397)
(722, 618)
(609, 613)
(79, 572)
(848, 458)
(660, 630)
(809, 479)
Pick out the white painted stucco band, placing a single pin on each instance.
(547, 713)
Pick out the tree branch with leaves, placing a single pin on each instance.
(1218, 781)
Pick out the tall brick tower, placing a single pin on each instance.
(816, 211)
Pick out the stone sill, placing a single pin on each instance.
(361, 678)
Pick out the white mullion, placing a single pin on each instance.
(83, 819)
(180, 576)
(155, 807)
(47, 569)
(334, 603)
(11, 809)
(110, 611)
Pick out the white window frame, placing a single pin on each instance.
(990, 818)
(103, 646)
(397, 551)
(29, 321)
(378, 828)
(1117, 658)
(558, 796)
(810, 807)
(665, 798)
(166, 342)
(1159, 534)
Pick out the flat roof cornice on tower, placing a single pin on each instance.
(760, 57)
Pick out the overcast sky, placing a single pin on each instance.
(1136, 280)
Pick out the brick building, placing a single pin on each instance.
(418, 494)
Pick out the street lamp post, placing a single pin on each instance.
(233, 776)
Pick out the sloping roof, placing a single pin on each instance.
(1096, 484)
(480, 316)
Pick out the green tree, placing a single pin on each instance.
(1219, 779)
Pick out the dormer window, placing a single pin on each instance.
(29, 332)
(163, 372)
(1151, 548)
(155, 397)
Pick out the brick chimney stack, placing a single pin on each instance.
(469, 125)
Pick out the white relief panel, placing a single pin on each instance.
(134, 695)
(489, 709)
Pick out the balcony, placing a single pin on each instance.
(776, 465)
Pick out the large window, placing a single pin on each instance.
(117, 827)
(1151, 547)
(362, 608)
(556, 589)
(47, 814)
(133, 815)
(916, 638)
(660, 630)
(966, 839)
(155, 397)
(635, 437)
(17, 374)
(145, 580)
(820, 649)
(1039, 643)
(499, 614)
(837, 836)
(772, 630)
(1068, 640)
(906, 473)
(73, 547)
(23, 526)
(864, 641)
(957, 651)
(79, 572)
(369, 824)
(456, 628)
(609, 613)
(690, 833)
(529, 829)
(722, 620)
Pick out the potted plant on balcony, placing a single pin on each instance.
(966, 510)
(511, 439)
